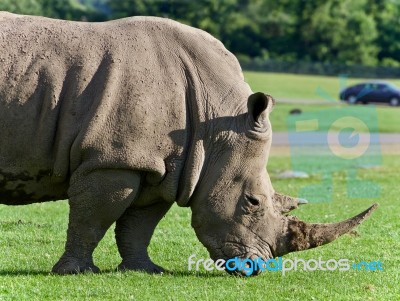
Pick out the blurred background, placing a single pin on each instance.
(360, 38)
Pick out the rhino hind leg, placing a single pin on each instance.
(133, 233)
(96, 201)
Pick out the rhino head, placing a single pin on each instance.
(236, 211)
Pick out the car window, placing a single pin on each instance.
(368, 87)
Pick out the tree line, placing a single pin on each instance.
(351, 32)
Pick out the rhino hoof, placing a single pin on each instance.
(67, 266)
(141, 266)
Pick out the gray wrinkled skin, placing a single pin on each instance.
(126, 117)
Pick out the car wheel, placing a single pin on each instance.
(394, 101)
(351, 99)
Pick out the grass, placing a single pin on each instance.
(382, 119)
(300, 88)
(32, 239)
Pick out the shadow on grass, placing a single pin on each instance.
(180, 273)
(197, 274)
(24, 273)
(177, 273)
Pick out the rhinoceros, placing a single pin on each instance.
(124, 118)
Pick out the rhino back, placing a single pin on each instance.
(83, 96)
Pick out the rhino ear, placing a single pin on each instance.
(258, 109)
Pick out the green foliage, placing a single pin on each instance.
(331, 31)
(28, 7)
(62, 9)
(387, 15)
(364, 32)
(338, 31)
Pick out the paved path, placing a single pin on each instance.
(320, 101)
(282, 138)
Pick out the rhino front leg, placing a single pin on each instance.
(96, 201)
(133, 233)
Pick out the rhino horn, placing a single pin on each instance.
(299, 235)
(285, 203)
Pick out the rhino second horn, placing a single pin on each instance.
(302, 201)
(299, 235)
(285, 203)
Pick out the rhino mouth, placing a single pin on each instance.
(241, 259)
(243, 266)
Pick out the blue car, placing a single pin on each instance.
(376, 92)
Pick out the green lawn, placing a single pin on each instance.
(302, 88)
(383, 119)
(32, 239)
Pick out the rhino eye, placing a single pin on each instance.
(252, 200)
